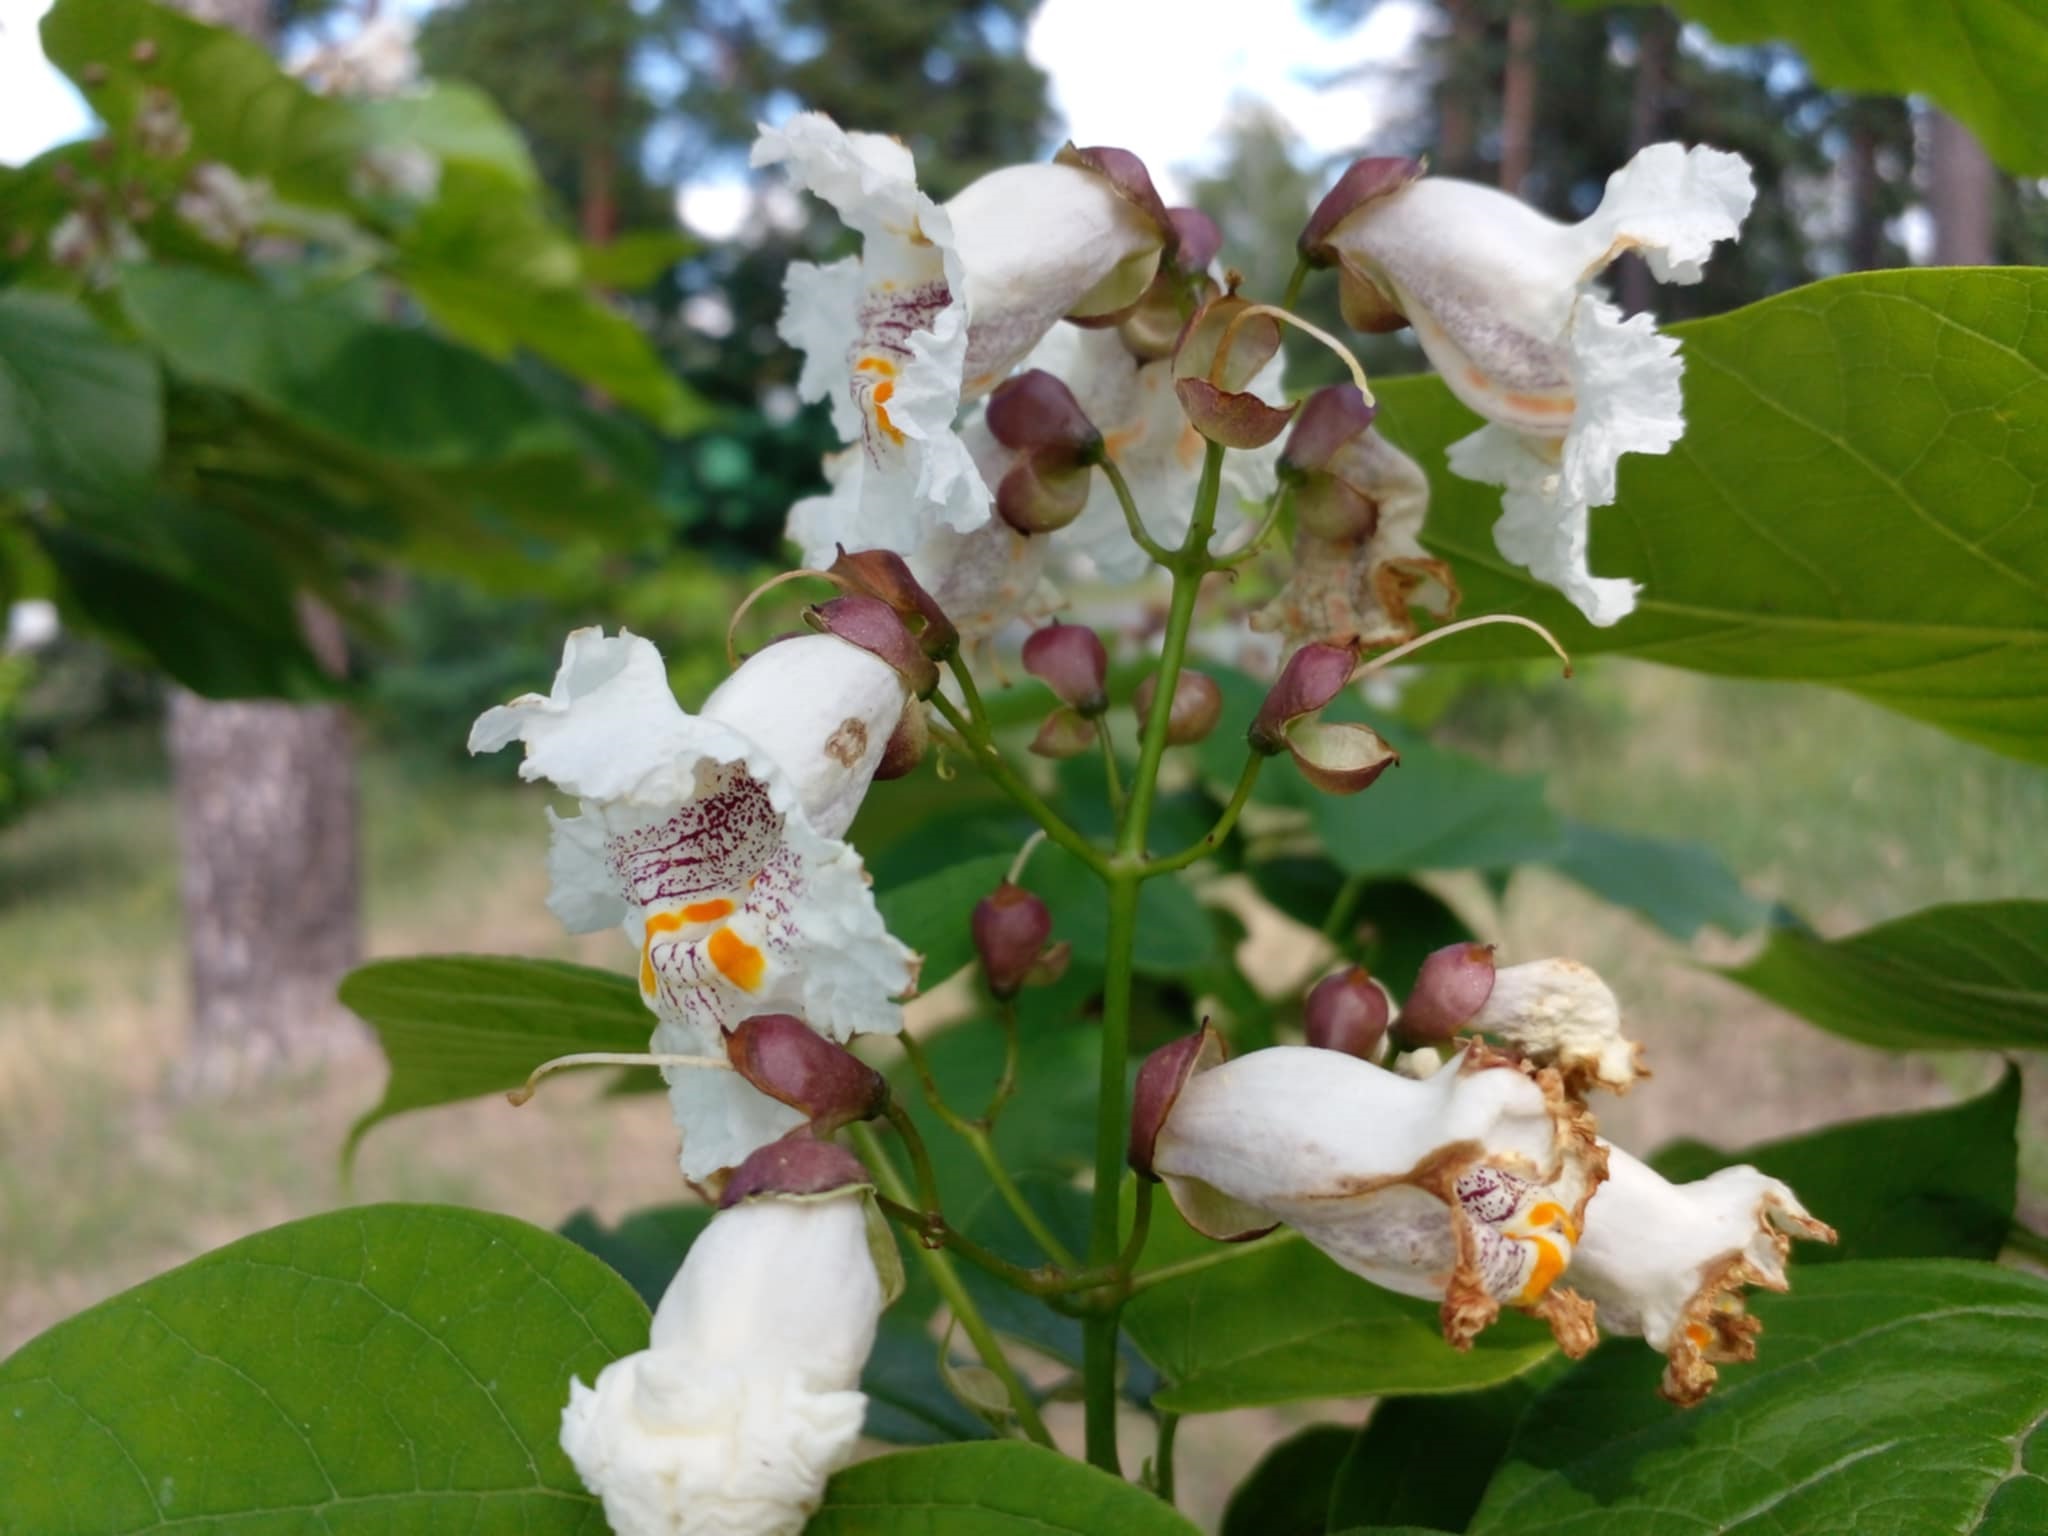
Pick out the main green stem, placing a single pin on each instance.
(1125, 875)
(946, 1279)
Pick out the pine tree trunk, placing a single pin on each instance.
(267, 843)
(1866, 226)
(1458, 92)
(1655, 35)
(1518, 98)
(1960, 186)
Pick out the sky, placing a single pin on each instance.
(1196, 61)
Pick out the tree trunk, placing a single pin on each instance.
(1655, 35)
(1866, 225)
(599, 214)
(1518, 97)
(267, 838)
(1960, 187)
(1458, 92)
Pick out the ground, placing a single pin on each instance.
(1847, 813)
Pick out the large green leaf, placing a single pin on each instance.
(76, 406)
(1174, 933)
(456, 1027)
(1007, 1488)
(1275, 1322)
(388, 1368)
(1932, 1185)
(1857, 501)
(1394, 924)
(1984, 61)
(1966, 975)
(1888, 1399)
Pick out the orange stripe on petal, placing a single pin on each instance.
(737, 960)
(1550, 1262)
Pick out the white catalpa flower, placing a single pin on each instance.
(747, 1397)
(1559, 1013)
(1503, 302)
(379, 58)
(941, 303)
(714, 841)
(1148, 436)
(221, 207)
(1468, 1187)
(1668, 1262)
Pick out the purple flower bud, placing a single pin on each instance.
(1165, 1072)
(1011, 927)
(883, 574)
(1450, 989)
(873, 625)
(1313, 676)
(1348, 1012)
(1070, 660)
(1364, 181)
(1063, 734)
(1197, 706)
(1127, 174)
(1218, 355)
(795, 1065)
(1041, 493)
(907, 743)
(798, 1164)
(1199, 239)
(1035, 410)
(1329, 419)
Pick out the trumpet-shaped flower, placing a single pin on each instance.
(1668, 1262)
(1469, 1187)
(1503, 302)
(941, 303)
(714, 842)
(746, 1399)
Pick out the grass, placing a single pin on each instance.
(1844, 812)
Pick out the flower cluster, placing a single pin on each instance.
(1041, 380)
(1480, 1181)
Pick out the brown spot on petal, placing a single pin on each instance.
(848, 744)
(1571, 1318)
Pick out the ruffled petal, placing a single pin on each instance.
(1669, 1262)
(1672, 204)
(1541, 528)
(821, 319)
(869, 179)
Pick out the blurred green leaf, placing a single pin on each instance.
(76, 406)
(1276, 1322)
(456, 1027)
(1394, 924)
(1006, 1488)
(636, 260)
(646, 1248)
(1969, 975)
(1288, 1492)
(491, 269)
(1904, 1396)
(1984, 61)
(1855, 502)
(1681, 887)
(1938, 1184)
(450, 121)
(934, 915)
(389, 1367)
